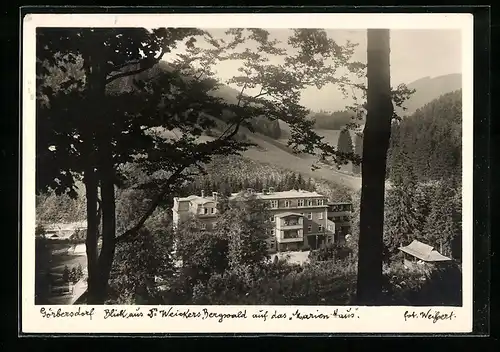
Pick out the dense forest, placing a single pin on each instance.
(424, 167)
(332, 121)
(430, 140)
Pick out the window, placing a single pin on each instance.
(310, 216)
(203, 226)
(320, 201)
(272, 232)
(320, 216)
(205, 211)
(309, 202)
(301, 203)
(320, 228)
(309, 228)
(287, 204)
(274, 204)
(271, 219)
(212, 210)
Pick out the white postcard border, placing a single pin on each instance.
(365, 319)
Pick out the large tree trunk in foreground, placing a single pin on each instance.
(91, 190)
(376, 137)
(100, 266)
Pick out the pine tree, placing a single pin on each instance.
(403, 221)
(258, 185)
(344, 144)
(300, 182)
(66, 274)
(444, 221)
(310, 184)
(245, 184)
(207, 185)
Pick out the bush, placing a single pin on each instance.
(330, 252)
(325, 283)
(66, 276)
(427, 285)
(135, 267)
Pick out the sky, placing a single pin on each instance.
(415, 53)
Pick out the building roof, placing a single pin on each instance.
(197, 199)
(282, 215)
(423, 252)
(283, 194)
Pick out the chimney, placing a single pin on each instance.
(264, 191)
(202, 194)
(271, 189)
(214, 196)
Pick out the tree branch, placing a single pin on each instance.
(148, 64)
(128, 73)
(132, 232)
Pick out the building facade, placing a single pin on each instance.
(203, 208)
(299, 218)
(340, 214)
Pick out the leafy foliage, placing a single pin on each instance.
(247, 225)
(137, 266)
(332, 252)
(52, 208)
(325, 283)
(202, 252)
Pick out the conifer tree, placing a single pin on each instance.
(443, 222)
(300, 182)
(403, 222)
(344, 144)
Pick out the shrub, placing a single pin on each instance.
(333, 252)
(66, 276)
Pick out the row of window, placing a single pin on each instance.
(206, 211)
(341, 218)
(300, 203)
(340, 207)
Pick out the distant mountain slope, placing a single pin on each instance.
(427, 89)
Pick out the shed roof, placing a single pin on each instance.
(423, 252)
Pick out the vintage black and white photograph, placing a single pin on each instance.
(197, 165)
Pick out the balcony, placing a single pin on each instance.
(290, 221)
(289, 225)
(291, 236)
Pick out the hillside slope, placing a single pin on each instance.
(427, 89)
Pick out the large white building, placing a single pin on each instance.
(299, 218)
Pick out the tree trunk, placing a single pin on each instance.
(90, 181)
(99, 276)
(108, 220)
(375, 145)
